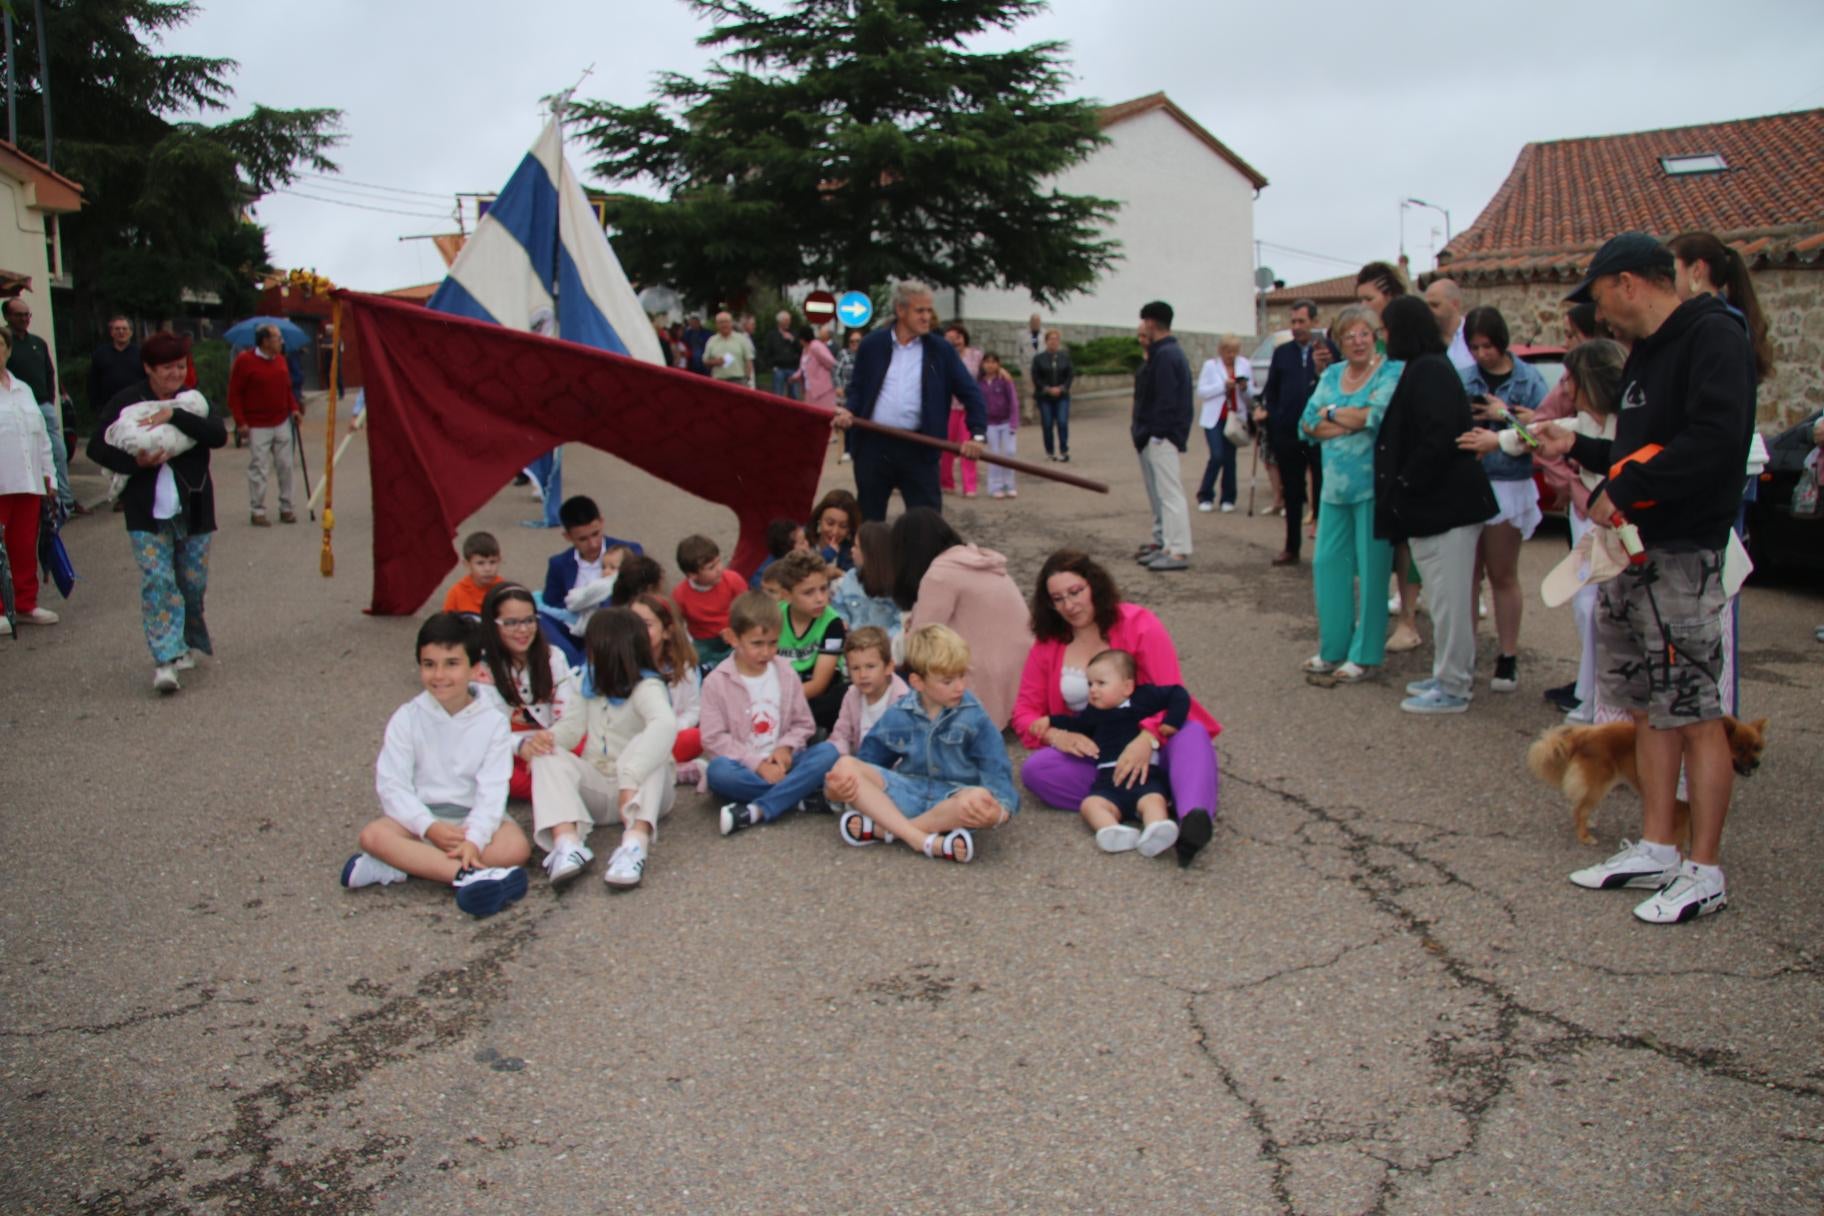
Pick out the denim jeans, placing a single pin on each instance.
(784, 386)
(736, 782)
(1055, 411)
(1222, 460)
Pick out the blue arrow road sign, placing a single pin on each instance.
(854, 308)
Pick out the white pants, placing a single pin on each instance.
(1447, 564)
(565, 789)
(1165, 491)
(1583, 607)
(269, 446)
(1001, 443)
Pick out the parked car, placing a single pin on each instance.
(1262, 358)
(1778, 540)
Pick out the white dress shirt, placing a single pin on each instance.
(901, 400)
(1459, 355)
(25, 446)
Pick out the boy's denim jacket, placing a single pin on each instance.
(960, 747)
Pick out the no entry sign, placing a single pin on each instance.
(820, 308)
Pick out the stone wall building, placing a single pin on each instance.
(1757, 183)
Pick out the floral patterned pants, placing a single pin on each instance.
(173, 574)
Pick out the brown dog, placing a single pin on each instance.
(1586, 762)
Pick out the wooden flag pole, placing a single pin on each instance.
(327, 561)
(1006, 462)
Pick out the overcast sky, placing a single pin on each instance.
(1346, 109)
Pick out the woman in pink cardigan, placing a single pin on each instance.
(817, 369)
(1076, 613)
(940, 580)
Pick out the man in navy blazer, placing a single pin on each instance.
(904, 377)
(1291, 379)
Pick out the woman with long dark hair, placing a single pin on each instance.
(1077, 613)
(1703, 265)
(1433, 496)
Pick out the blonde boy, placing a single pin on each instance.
(934, 767)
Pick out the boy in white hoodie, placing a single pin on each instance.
(442, 779)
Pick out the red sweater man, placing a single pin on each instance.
(259, 391)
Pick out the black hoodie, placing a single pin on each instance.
(1690, 388)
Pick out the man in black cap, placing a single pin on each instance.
(1674, 473)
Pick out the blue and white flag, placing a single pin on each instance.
(540, 252)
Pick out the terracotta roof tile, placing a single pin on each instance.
(1324, 291)
(1572, 194)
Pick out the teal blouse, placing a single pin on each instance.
(1349, 459)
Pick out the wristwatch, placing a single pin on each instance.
(1330, 414)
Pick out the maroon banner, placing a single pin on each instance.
(456, 407)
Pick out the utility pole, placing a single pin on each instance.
(44, 81)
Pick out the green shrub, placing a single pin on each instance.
(1111, 355)
(213, 358)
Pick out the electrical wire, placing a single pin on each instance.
(1306, 253)
(339, 180)
(342, 202)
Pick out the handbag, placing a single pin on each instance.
(1805, 493)
(1235, 423)
(56, 561)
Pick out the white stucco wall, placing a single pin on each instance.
(22, 251)
(1186, 229)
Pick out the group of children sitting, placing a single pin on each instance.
(596, 704)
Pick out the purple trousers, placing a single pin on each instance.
(1189, 761)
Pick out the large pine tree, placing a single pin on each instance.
(853, 142)
(164, 194)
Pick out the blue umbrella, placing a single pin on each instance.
(241, 332)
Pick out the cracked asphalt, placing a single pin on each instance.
(1374, 993)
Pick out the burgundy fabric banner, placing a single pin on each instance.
(456, 407)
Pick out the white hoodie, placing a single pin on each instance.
(434, 757)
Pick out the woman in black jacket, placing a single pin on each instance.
(170, 506)
(1051, 377)
(1433, 496)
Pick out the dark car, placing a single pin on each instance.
(1778, 540)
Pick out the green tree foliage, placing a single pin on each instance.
(853, 142)
(164, 195)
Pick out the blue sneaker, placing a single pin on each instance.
(1434, 701)
(485, 892)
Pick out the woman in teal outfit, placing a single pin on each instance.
(1344, 415)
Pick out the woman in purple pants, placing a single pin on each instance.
(1076, 613)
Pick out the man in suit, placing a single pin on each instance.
(1291, 380)
(904, 377)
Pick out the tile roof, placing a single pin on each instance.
(1125, 110)
(53, 192)
(1340, 290)
(1564, 198)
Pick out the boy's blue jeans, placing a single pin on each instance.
(736, 782)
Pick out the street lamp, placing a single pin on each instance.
(1419, 202)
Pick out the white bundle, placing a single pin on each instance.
(126, 433)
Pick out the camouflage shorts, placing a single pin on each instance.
(1659, 638)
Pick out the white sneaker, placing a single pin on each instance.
(39, 616)
(1206, 507)
(164, 679)
(1158, 837)
(1689, 895)
(1228, 508)
(185, 661)
(844, 458)
(566, 860)
(365, 870)
(1633, 866)
(6, 628)
(1117, 839)
(626, 866)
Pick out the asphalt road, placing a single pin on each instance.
(1375, 992)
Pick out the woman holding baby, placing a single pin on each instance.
(169, 500)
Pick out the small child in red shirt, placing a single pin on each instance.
(481, 554)
(709, 587)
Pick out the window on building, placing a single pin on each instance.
(1700, 162)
